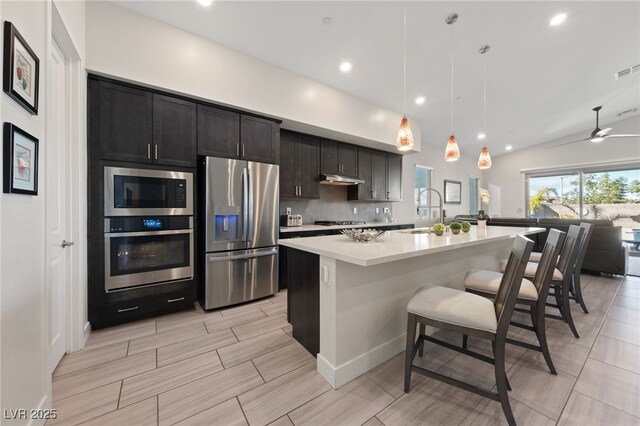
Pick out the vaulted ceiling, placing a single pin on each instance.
(542, 80)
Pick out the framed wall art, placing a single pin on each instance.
(21, 69)
(452, 192)
(20, 168)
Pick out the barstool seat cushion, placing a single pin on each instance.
(455, 307)
(489, 282)
(535, 257)
(531, 269)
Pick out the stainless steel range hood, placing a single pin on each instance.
(339, 180)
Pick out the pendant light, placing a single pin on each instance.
(452, 152)
(404, 142)
(484, 161)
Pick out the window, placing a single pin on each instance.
(589, 193)
(421, 196)
(473, 195)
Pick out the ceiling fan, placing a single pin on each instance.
(598, 134)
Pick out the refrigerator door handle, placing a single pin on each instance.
(245, 203)
(251, 218)
(242, 256)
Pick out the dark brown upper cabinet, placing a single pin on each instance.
(338, 158)
(382, 173)
(228, 134)
(394, 177)
(259, 139)
(218, 132)
(299, 166)
(135, 125)
(120, 121)
(379, 171)
(174, 131)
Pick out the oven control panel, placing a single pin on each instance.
(147, 224)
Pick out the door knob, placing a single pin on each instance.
(66, 243)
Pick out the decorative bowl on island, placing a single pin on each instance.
(362, 235)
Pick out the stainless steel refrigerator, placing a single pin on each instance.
(241, 231)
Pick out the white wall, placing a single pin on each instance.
(506, 171)
(25, 382)
(433, 157)
(127, 45)
(23, 366)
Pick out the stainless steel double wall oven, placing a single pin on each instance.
(148, 227)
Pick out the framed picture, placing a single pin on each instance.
(21, 69)
(20, 168)
(452, 192)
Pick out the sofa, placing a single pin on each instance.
(605, 252)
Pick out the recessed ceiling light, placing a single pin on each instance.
(481, 136)
(345, 66)
(420, 100)
(558, 19)
(327, 20)
(205, 2)
(508, 147)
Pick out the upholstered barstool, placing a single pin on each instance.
(532, 294)
(562, 276)
(469, 314)
(587, 230)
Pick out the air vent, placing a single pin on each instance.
(628, 111)
(627, 71)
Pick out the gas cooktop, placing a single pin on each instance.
(338, 222)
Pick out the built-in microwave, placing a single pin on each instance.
(143, 192)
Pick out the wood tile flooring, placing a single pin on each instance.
(241, 366)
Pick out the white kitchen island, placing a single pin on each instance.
(363, 289)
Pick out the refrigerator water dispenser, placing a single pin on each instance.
(227, 224)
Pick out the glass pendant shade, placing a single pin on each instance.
(452, 153)
(405, 137)
(484, 162)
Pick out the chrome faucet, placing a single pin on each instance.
(419, 206)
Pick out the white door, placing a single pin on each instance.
(57, 204)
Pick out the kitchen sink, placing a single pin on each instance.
(417, 231)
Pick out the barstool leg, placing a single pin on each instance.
(493, 346)
(541, 332)
(408, 356)
(501, 382)
(578, 290)
(465, 341)
(567, 309)
(422, 330)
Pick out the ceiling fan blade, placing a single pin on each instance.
(603, 132)
(622, 136)
(568, 143)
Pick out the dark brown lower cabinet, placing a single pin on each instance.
(303, 298)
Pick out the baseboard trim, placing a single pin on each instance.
(44, 404)
(344, 373)
(86, 331)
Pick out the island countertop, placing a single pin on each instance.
(308, 227)
(398, 245)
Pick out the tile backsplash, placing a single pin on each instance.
(333, 205)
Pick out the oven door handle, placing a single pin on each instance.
(147, 233)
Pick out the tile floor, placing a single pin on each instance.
(241, 365)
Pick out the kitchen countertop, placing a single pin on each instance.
(399, 245)
(311, 227)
